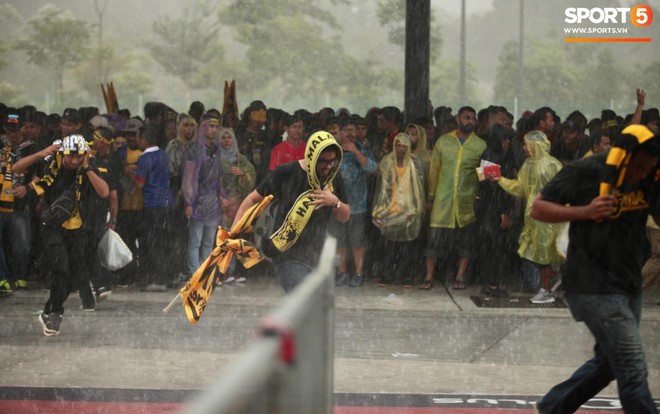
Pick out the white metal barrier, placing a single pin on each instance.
(289, 368)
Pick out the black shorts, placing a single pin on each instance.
(462, 239)
(353, 233)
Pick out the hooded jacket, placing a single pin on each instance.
(453, 180)
(538, 240)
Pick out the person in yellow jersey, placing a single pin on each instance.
(131, 204)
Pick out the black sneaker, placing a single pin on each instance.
(357, 280)
(494, 291)
(179, 280)
(102, 294)
(342, 279)
(51, 323)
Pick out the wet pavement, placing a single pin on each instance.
(394, 348)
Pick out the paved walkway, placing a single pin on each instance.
(393, 346)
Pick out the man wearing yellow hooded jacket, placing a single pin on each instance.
(452, 187)
(308, 192)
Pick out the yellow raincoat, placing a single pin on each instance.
(422, 152)
(453, 180)
(538, 240)
(399, 205)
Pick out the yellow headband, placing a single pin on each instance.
(258, 115)
(99, 136)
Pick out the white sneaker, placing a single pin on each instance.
(229, 279)
(241, 279)
(542, 297)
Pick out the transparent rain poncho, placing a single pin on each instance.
(538, 240)
(399, 205)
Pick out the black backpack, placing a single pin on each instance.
(59, 210)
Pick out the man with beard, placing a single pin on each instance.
(309, 191)
(452, 187)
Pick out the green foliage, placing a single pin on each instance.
(647, 77)
(55, 41)
(567, 78)
(557, 76)
(10, 22)
(444, 84)
(250, 15)
(12, 95)
(130, 85)
(183, 45)
(88, 74)
(392, 15)
(294, 57)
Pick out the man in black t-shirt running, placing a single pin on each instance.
(307, 192)
(602, 275)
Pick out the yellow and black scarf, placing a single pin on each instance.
(7, 189)
(75, 221)
(619, 156)
(299, 215)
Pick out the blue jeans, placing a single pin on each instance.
(614, 322)
(531, 275)
(201, 240)
(291, 273)
(18, 223)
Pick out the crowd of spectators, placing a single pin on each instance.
(419, 213)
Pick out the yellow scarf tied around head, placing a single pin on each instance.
(197, 291)
(619, 156)
(299, 215)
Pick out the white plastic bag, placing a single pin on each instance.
(113, 252)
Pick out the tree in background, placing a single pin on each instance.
(444, 85)
(444, 80)
(570, 77)
(183, 45)
(10, 23)
(294, 57)
(549, 79)
(132, 85)
(55, 41)
(392, 15)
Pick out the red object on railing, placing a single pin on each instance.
(270, 326)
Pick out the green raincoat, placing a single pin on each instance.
(453, 180)
(538, 240)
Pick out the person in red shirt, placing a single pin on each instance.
(293, 147)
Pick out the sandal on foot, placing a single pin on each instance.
(458, 285)
(426, 285)
(385, 282)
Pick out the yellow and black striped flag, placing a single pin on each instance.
(197, 292)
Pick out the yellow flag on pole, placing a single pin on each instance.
(197, 292)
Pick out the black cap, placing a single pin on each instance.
(53, 119)
(13, 120)
(72, 115)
